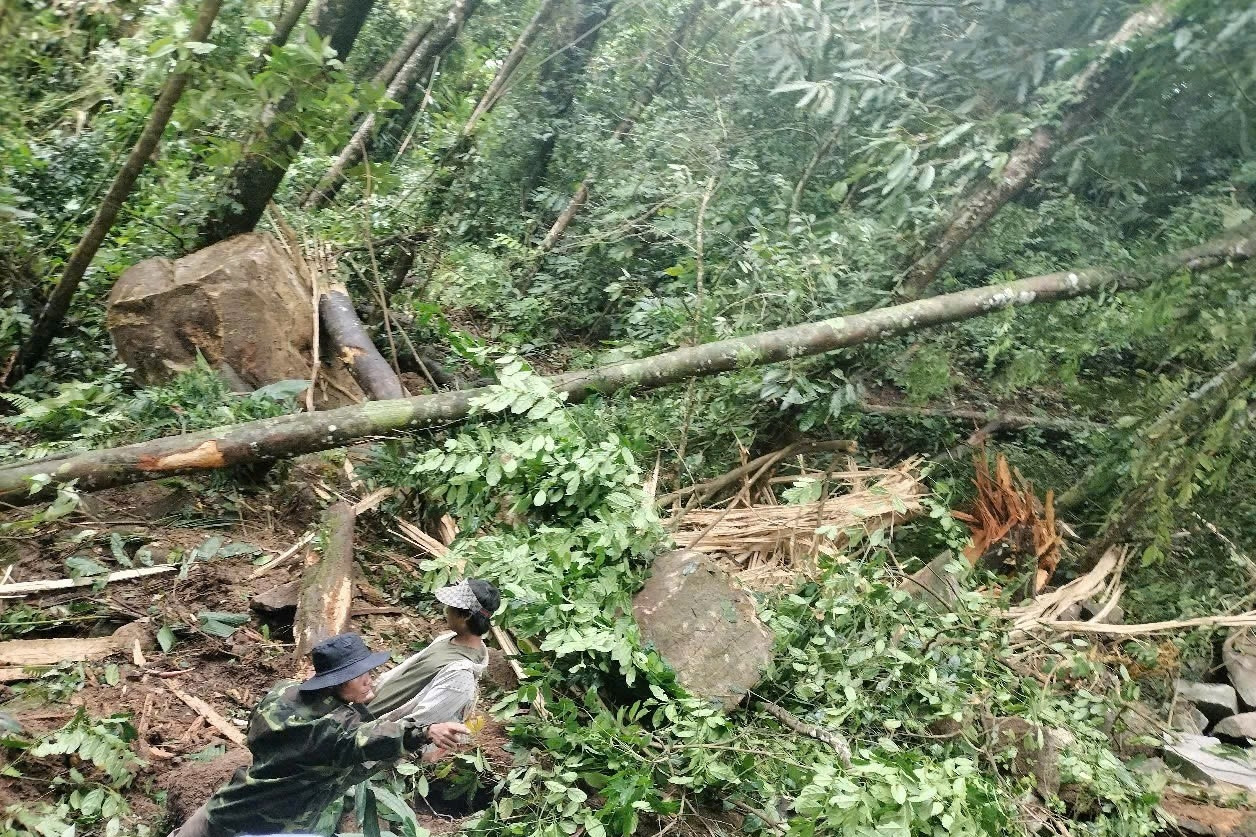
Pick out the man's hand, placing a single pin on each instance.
(448, 735)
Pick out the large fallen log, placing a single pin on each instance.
(284, 436)
(357, 350)
(326, 594)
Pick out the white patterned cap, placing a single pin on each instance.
(461, 596)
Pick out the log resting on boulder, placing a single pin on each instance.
(240, 304)
(270, 439)
(356, 349)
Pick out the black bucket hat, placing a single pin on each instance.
(340, 659)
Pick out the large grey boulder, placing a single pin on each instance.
(1216, 700)
(1205, 759)
(1238, 653)
(1238, 727)
(703, 626)
(240, 303)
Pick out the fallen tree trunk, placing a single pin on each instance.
(326, 593)
(998, 419)
(49, 322)
(357, 350)
(360, 144)
(1092, 89)
(284, 436)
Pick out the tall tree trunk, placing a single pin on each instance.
(643, 99)
(274, 438)
(50, 319)
(257, 175)
(559, 81)
(283, 30)
(445, 30)
(1092, 91)
(453, 161)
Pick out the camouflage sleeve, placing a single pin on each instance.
(368, 741)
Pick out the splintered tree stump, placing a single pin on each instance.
(326, 594)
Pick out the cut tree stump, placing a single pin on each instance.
(326, 594)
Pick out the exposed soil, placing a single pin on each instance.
(184, 756)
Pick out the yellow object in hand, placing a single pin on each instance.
(475, 724)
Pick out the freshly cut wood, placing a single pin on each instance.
(326, 594)
(1093, 89)
(25, 588)
(211, 716)
(275, 438)
(49, 321)
(50, 652)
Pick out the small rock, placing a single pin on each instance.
(936, 584)
(1239, 654)
(703, 626)
(1036, 751)
(1239, 727)
(1184, 717)
(1205, 759)
(1216, 700)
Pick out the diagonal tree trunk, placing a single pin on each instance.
(444, 31)
(283, 30)
(1092, 91)
(257, 175)
(560, 78)
(50, 319)
(456, 158)
(402, 53)
(275, 438)
(642, 101)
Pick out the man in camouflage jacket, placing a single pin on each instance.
(311, 743)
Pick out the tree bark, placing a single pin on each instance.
(283, 30)
(402, 54)
(560, 78)
(275, 438)
(257, 175)
(445, 30)
(50, 319)
(1091, 90)
(356, 349)
(326, 594)
(456, 157)
(644, 98)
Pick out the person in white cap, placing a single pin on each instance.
(438, 684)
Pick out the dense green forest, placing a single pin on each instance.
(563, 284)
